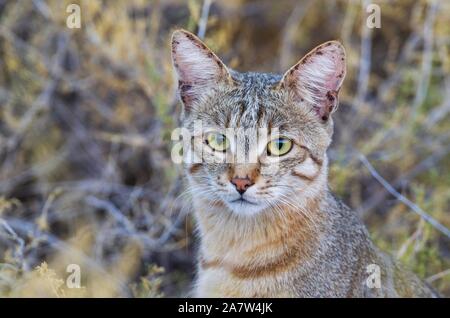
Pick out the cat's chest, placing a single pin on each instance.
(219, 282)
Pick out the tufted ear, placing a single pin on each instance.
(198, 69)
(317, 78)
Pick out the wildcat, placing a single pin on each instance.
(271, 227)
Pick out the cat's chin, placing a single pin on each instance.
(244, 207)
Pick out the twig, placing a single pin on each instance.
(8, 183)
(438, 276)
(358, 102)
(130, 230)
(417, 233)
(364, 61)
(42, 8)
(290, 29)
(20, 242)
(385, 88)
(439, 112)
(109, 207)
(441, 228)
(424, 78)
(202, 23)
(427, 163)
(406, 54)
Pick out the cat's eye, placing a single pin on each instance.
(217, 142)
(279, 146)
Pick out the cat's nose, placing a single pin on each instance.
(242, 184)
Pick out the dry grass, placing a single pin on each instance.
(86, 116)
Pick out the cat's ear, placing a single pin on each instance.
(317, 78)
(198, 68)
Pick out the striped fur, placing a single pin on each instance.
(292, 238)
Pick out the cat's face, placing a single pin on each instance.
(263, 137)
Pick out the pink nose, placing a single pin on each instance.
(242, 184)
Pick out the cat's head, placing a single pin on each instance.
(263, 137)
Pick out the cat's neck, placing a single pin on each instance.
(271, 236)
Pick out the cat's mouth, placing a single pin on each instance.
(242, 206)
(241, 200)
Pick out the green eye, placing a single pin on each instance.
(217, 142)
(279, 146)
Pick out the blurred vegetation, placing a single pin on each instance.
(86, 116)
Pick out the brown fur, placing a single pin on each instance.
(295, 239)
